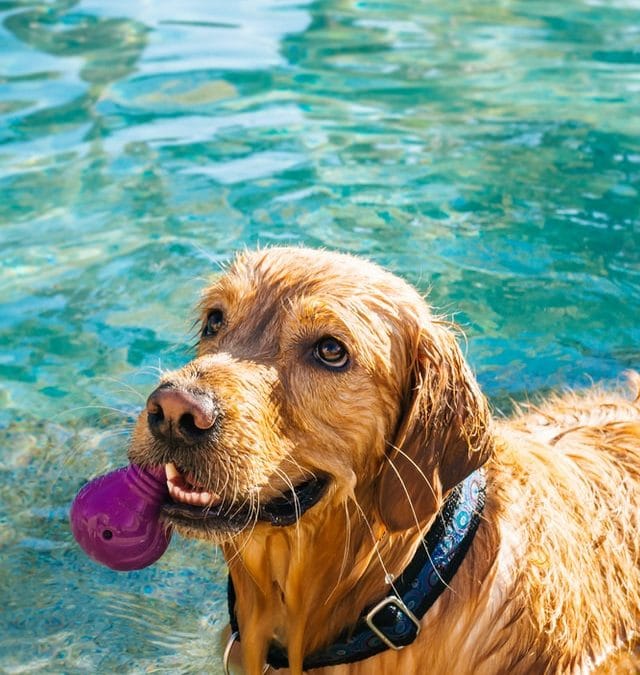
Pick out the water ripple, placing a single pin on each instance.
(488, 152)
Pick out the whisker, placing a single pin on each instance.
(296, 503)
(125, 385)
(413, 512)
(118, 411)
(416, 466)
(376, 548)
(345, 553)
(252, 522)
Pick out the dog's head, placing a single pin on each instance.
(318, 376)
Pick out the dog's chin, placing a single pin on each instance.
(204, 515)
(209, 524)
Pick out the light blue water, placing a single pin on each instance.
(489, 151)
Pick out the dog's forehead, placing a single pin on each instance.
(286, 274)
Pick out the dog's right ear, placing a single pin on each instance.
(443, 434)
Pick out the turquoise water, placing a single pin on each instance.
(488, 151)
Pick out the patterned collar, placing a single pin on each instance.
(394, 622)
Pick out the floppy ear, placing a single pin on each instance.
(443, 434)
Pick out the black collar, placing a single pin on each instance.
(394, 622)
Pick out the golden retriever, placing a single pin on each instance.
(316, 437)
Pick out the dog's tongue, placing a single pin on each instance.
(184, 489)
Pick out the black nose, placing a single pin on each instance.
(175, 413)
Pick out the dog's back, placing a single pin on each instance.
(578, 570)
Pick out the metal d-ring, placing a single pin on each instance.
(227, 652)
(234, 637)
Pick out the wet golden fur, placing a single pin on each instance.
(551, 583)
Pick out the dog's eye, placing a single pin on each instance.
(330, 352)
(214, 323)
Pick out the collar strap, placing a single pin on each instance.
(394, 622)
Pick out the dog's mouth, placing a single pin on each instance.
(194, 507)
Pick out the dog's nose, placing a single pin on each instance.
(173, 411)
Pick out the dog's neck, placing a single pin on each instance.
(300, 586)
(303, 595)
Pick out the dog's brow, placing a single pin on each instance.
(210, 296)
(312, 317)
(315, 314)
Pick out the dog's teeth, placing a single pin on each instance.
(193, 483)
(180, 490)
(171, 471)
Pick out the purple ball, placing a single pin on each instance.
(116, 517)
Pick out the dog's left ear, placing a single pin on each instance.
(443, 434)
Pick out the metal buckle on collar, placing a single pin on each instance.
(391, 601)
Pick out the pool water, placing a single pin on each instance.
(487, 151)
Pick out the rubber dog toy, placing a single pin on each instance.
(116, 517)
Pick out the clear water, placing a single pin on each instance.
(487, 150)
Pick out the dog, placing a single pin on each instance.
(330, 437)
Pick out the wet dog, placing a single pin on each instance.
(329, 434)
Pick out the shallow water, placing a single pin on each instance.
(488, 151)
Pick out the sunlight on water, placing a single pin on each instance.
(488, 152)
